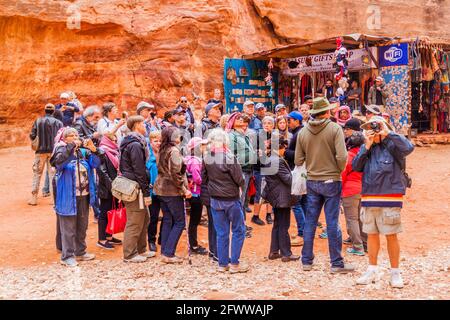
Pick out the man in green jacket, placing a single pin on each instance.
(321, 146)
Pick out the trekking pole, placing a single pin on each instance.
(187, 233)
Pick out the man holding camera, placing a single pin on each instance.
(382, 160)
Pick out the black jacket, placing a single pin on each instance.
(46, 128)
(204, 193)
(278, 185)
(289, 155)
(224, 176)
(106, 174)
(132, 163)
(208, 124)
(85, 129)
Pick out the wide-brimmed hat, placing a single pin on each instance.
(366, 125)
(321, 104)
(373, 108)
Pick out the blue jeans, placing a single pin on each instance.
(226, 213)
(173, 223)
(327, 195)
(299, 214)
(46, 188)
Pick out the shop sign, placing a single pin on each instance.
(394, 55)
(357, 59)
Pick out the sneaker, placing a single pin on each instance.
(307, 267)
(290, 258)
(106, 245)
(148, 254)
(248, 234)
(70, 262)
(95, 221)
(347, 241)
(396, 280)
(136, 259)
(269, 219)
(152, 246)
(323, 235)
(199, 250)
(86, 257)
(213, 257)
(297, 242)
(257, 220)
(274, 256)
(368, 277)
(248, 210)
(239, 268)
(115, 242)
(345, 269)
(33, 200)
(171, 260)
(223, 269)
(45, 194)
(248, 228)
(355, 251)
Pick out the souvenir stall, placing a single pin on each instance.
(249, 80)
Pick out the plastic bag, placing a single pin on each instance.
(299, 181)
(117, 219)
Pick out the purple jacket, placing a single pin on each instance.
(194, 171)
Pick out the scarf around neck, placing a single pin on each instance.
(111, 149)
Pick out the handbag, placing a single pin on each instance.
(117, 219)
(35, 141)
(125, 189)
(299, 175)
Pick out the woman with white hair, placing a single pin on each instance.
(225, 179)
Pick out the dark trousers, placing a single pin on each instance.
(154, 208)
(212, 235)
(194, 220)
(173, 223)
(105, 206)
(73, 230)
(280, 241)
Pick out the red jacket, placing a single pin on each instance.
(351, 180)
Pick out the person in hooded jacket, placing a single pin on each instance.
(75, 189)
(134, 154)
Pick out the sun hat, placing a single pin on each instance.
(321, 104)
(280, 106)
(295, 115)
(143, 105)
(372, 108)
(195, 142)
(378, 119)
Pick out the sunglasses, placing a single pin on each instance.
(183, 101)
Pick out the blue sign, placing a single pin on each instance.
(394, 55)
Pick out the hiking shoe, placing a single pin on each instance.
(33, 200)
(86, 257)
(148, 254)
(396, 280)
(199, 250)
(307, 267)
(223, 269)
(248, 210)
(297, 242)
(345, 269)
(136, 259)
(368, 277)
(70, 262)
(45, 194)
(239, 268)
(115, 242)
(290, 258)
(152, 246)
(323, 235)
(248, 234)
(269, 219)
(257, 220)
(171, 260)
(248, 228)
(355, 251)
(106, 245)
(274, 256)
(347, 241)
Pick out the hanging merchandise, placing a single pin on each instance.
(231, 75)
(340, 60)
(268, 79)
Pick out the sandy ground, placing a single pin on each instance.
(29, 268)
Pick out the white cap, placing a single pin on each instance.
(64, 95)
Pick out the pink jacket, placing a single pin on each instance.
(194, 170)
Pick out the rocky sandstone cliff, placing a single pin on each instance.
(125, 51)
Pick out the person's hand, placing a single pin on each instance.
(383, 133)
(369, 135)
(90, 145)
(147, 201)
(188, 194)
(121, 122)
(78, 143)
(63, 108)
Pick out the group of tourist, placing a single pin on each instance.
(199, 158)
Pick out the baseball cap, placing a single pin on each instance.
(295, 115)
(248, 102)
(64, 95)
(308, 97)
(143, 105)
(354, 124)
(49, 107)
(279, 107)
(210, 106)
(260, 106)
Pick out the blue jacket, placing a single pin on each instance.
(68, 115)
(152, 169)
(65, 162)
(382, 173)
(255, 123)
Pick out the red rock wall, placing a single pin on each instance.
(126, 51)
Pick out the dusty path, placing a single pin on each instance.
(28, 255)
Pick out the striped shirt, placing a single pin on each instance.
(385, 200)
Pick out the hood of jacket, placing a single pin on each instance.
(126, 141)
(317, 126)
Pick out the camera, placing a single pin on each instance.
(375, 126)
